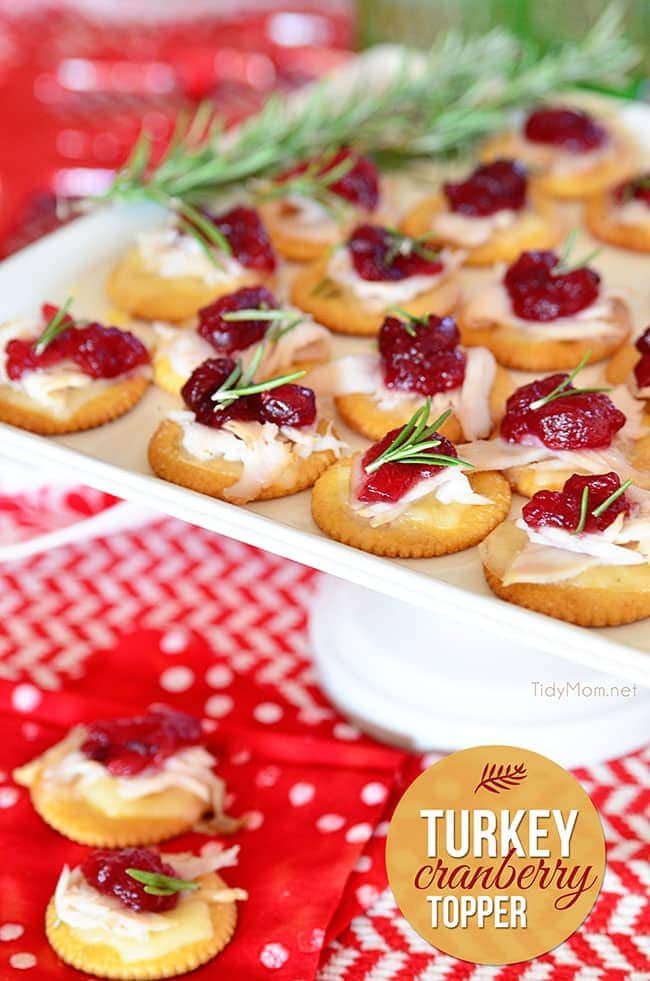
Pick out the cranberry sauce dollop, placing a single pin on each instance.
(98, 351)
(286, 405)
(359, 185)
(490, 188)
(637, 189)
(642, 367)
(589, 420)
(375, 255)
(247, 237)
(422, 355)
(537, 293)
(569, 129)
(105, 871)
(229, 336)
(128, 746)
(561, 509)
(392, 481)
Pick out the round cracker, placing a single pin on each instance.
(427, 528)
(601, 220)
(103, 961)
(285, 235)
(538, 226)
(576, 185)
(169, 460)
(604, 596)
(338, 308)
(362, 413)
(513, 349)
(142, 292)
(91, 410)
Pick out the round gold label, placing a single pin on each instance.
(495, 854)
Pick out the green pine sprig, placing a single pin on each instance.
(55, 326)
(562, 390)
(240, 381)
(413, 443)
(158, 884)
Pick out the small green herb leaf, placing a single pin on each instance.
(584, 503)
(55, 326)
(614, 496)
(416, 438)
(562, 390)
(157, 884)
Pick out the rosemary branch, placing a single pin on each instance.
(55, 326)
(562, 390)
(159, 884)
(281, 321)
(240, 381)
(565, 264)
(460, 91)
(414, 441)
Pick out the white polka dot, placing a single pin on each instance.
(218, 706)
(240, 757)
(364, 864)
(25, 698)
(174, 641)
(313, 715)
(274, 956)
(381, 830)
(373, 793)
(310, 940)
(253, 820)
(30, 731)
(177, 679)
(367, 894)
(219, 676)
(268, 777)
(209, 725)
(301, 793)
(344, 731)
(268, 712)
(358, 832)
(330, 822)
(8, 796)
(22, 962)
(11, 931)
(243, 661)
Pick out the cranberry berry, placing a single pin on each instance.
(288, 405)
(392, 481)
(642, 367)
(537, 293)
(128, 746)
(588, 420)
(421, 355)
(98, 351)
(229, 336)
(568, 129)
(637, 189)
(247, 237)
(359, 185)
(561, 509)
(106, 871)
(379, 253)
(490, 188)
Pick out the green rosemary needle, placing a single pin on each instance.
(240, 381)
(412, 443)
(409, 320)
(158, 884)
(562, 390)
(281, 321)
(565, 265)
(314, 182)
(55, 326)
(614, 496)
(584, 504)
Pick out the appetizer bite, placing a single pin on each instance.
(630, 366)
(241, 440)
(408, 497)
(310, 207)
(552, 429)
(174, 270)
(60, 375)
(545, 312)
(418, 358)
(493, 214)
(128, 781)
(621, 215)
(352, 289)
(574, 153)
(579, 554)
(141, 914)
(235, 325)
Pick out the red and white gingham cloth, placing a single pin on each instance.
(176, 613)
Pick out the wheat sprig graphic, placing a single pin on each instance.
(497, 778)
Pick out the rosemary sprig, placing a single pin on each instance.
(562, 390)
(432, 104)
(158, 884)
(55, 326)
(315, 182)
(240, 381)
(412, 443)
(409, 320)
(614, 496)
(280, 321)
(565, 265)
(584, 504)
(401, 244)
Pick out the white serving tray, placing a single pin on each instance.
(75, 259)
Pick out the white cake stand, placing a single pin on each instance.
(430, 682)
